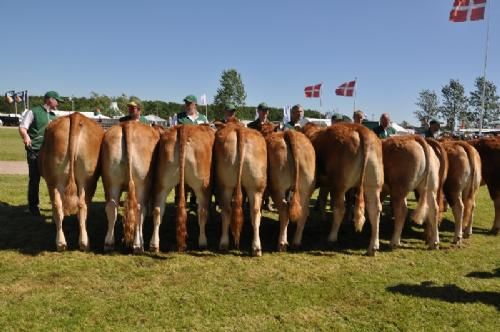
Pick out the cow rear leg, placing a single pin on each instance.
(469, 208)
(225, 204)
(158, 211)
(338, 215)
(82, 219)
(297, 238)
(203, 197)
(458, 214)
(400, 211)
(495, 229)
(111, 214)
(373, 207)
(282, 207)
(255, 200)
(138, 246)
(58, 216)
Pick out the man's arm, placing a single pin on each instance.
(23, 128)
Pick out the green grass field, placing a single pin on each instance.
(12, 147)
(320, 288)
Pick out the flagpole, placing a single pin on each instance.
(320, 93)
(354, 102)
(484, 69)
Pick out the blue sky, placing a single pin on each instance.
(164, 50)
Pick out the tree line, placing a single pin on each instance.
(458, 110)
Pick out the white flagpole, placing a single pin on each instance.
(484, 70)
(355, 88)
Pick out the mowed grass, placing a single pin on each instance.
(12, 147)
(319, 288)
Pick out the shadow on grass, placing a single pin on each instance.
(485, 275)
(449, 293)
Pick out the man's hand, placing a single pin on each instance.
(24, 135)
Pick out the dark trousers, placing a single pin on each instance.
(34, 180)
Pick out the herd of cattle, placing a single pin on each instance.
(348, 160)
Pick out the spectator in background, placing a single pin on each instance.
(433, 130)
(191, 114)
(384, 130)
(134, 113)
(336, 118)
(296, 113)
(263, 112)
(358, 116)
(230, 113)
(32, 130)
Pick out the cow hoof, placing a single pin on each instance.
(154, 249)
(109, 247)
(181, 249)
(282, 247)
(467, 235)
(202, 246)
(371, 252)
(256, 252)
(224, 247)
(394, 246)
(295, 247)
(61, 247)
(138, 250)
(434, 246)
(84, 247)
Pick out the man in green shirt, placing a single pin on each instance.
(230, 113)
(296, 113)
(32, 129)
(190, 114)
(383, 130)
(134, 113)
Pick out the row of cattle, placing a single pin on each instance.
(148, 162)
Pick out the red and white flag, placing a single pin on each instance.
(346, 89)
(467, 10)
(313, 91)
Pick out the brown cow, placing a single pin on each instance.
(128, 154)
(489, 150)
(462, 182)
(185, 156)
(291, 167)
(410, 164)
(240, 163)
(350, 156)
(68, 162)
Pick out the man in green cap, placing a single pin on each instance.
(229, 113)
(190, 114)
(336, 118)
(134, 113)
(296, 113)
(263, 112)
(383, 130)
(32, 129)
(433, 130)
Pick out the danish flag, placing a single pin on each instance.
(346, 89)
(467, 10)
(313, 91)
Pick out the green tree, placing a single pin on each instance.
(231, 90)
(429, 106)
(455, 103)
(491, 103)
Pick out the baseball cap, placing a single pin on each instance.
(191, 99)
(53, 94)
(133, 104)
(434, 120)
(263, 106)
(230, 107)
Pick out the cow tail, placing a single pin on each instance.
(295, 208)
(443, 171)
(131, 206)
(70, 200)
(181, 217)
(420, 212)
(359, 206)
(237, 210)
